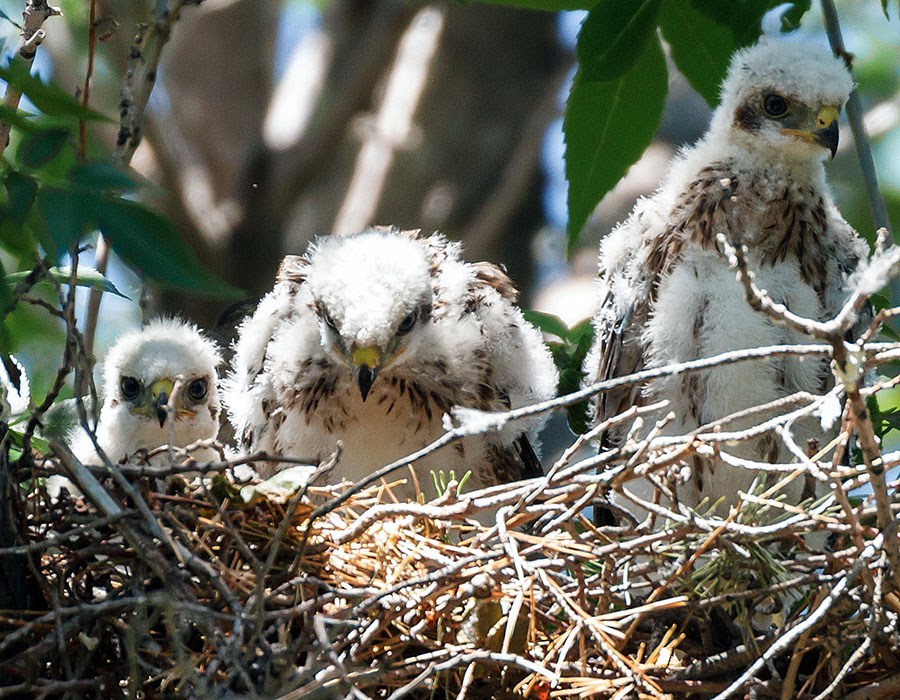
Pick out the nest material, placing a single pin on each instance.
(138, 589)
(198, 594)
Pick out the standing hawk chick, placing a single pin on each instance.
(668, 296)
(139, 374)
(370, 339)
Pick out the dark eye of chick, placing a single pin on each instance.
(130, 387)
(407, 323)
(197, 390)
(775, 105)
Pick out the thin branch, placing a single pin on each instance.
(31, 36)
(140, 78)
(89, 72)
(855, 117)
(392, 127)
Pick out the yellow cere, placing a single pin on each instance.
(368, 356)
(826, 116)
(160, 386)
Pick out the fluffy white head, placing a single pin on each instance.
(163, 349)
(806, 78)
(370, 289)
(139, 373)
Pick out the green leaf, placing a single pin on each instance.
(152, 244)
(582, 334)
(570, 379)
(47, 97)
(613, 37)
(607, 127)
(884, 6)
(41, 147)
(889, 331)
(700, 48)
(101, 176)
(87, 277)
(39, 444)
(145, 239)
(744, 17)
(880, 301)
(568, 357)
(6, 303)
(549, 5)
(891, 420)
(64, 217)
(16, 118)
(21, 191)
(548, 323)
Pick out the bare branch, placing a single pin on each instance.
(31, 36)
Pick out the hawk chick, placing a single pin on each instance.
(666, 294)
(139, 374)
(370, 339)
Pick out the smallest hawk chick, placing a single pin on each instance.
(139, 375)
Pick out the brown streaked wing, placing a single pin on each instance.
(620, 354)
(292, 269)
(490, 275)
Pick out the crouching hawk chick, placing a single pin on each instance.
(667, 295)
(139, 375)
(370, 339)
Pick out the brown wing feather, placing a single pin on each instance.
(620, 354)
(492, 276)
(531, 465)
(696, 217)
(291, 269)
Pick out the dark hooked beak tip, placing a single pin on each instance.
(365, 375)
(828, 137)
(162, 403)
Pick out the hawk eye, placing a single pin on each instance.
(775, 105)
(197, 390)
(407, 323)
(130, 387)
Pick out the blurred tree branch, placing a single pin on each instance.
(242, 203)
(855, 117)
(31, 36)
(140, 78)
(392, 128)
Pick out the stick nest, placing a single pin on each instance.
(152, 585)
(188, 590)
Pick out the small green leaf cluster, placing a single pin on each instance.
(50, 199)
(442, 480)
(568, 355)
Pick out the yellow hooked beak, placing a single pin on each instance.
(158, 402)
(160, 391)
(826, 132)
(367, 361)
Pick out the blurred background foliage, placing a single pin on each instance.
(524, 128)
